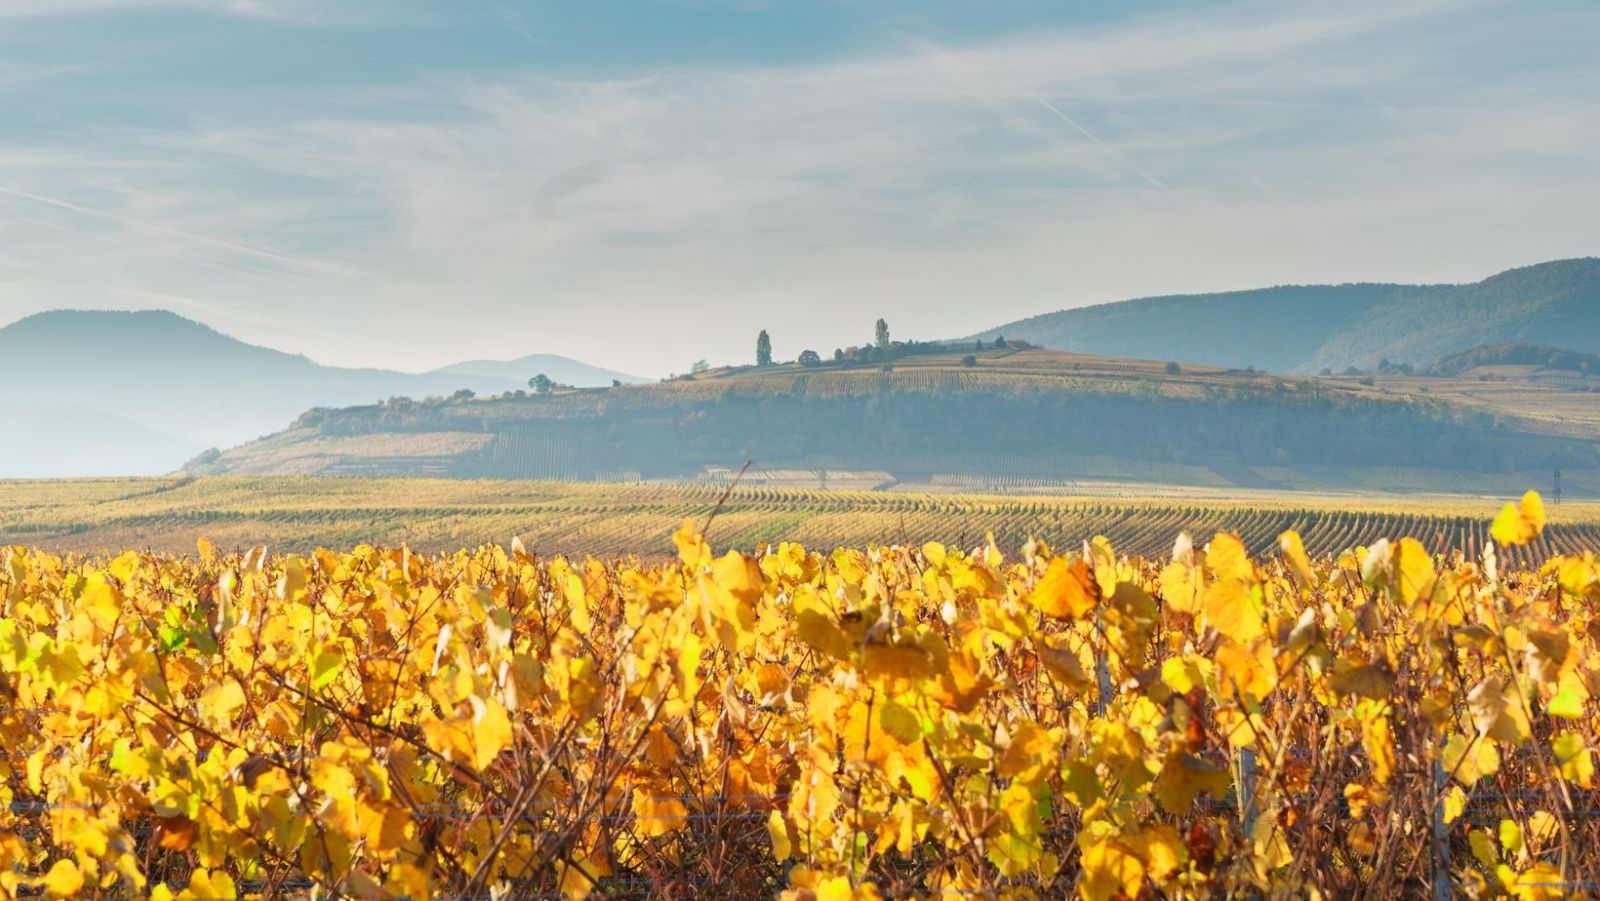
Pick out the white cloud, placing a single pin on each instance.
(648, 220)
(293, 10)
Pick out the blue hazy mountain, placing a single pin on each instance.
(563, 370)
(151, 388)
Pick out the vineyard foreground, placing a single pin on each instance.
(300, 514)
(909, 721)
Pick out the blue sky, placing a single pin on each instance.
(643, 184)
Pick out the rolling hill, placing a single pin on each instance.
(149, 389)
(1309, 328)
(999, 418)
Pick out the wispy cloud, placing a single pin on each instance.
(945, 185)
(215, 314)
(306, 10)
(1154, 182)
(204, 240)
(514, 24)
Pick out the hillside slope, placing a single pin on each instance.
(174, 385)
(999, 417)
(1309, 328)
(1555, 304)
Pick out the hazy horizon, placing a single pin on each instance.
(434, 183)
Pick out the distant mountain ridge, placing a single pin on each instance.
(562, 370)
(154, 386)
(1307, 328)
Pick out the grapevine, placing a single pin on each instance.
(880, 721)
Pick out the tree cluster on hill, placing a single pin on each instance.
(883, 349)
(1517, 353)
(544, 384)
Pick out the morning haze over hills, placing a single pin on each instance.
(162, 388)
(137, 393)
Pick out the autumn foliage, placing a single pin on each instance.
(896, 721)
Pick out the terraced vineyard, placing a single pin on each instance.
(536, 451)
(292, 513)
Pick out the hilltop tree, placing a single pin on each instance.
(810, 358)
(541, 383)
(881, 335)
(699, 367)
(763, 349)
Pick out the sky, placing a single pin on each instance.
(644, 183)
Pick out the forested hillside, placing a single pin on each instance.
(1310, 328)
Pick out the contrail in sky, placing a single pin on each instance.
(1104, 146)
(176, 233)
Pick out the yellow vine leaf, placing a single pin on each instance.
(1373, 680)
(1377, 738)
(778, 832)
(1230, 606)
(214, 885)
(1497, 711)
(1550, 653)
(658, 815)
(1414, 573)
(1180, 587)
(1514, 527)
(1539, 882)
(1470, 759)
(1184, 777)
(1570, 697)
(1061, 662)
(1110, 868)
(1574, 758)
(815, 625)
(491, 734)
(1161, 849)
(1031, 757)
(1066, 591)
(64, 880)
(1483, 847)
(1294, 551)
(1247, 670)
(1511, 839)
(1227, 558)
